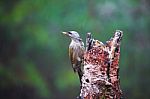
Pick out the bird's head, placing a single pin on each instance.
(73, 35)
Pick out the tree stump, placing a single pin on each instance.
(100, 78)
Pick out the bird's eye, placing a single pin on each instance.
(69, 33)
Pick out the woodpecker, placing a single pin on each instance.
(76, 52)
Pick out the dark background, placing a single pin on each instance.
(34, 61)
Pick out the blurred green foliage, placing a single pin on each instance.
(34, 61)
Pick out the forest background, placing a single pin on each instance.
(34, 62)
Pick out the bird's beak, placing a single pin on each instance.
(65, 33)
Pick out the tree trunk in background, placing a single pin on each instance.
(101, 68)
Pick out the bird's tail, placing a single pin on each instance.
(80, 74)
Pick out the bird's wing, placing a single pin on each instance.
(80, 61)
(82, 56)
(81, 51)
(72, 58)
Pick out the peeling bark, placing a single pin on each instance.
(100, 78)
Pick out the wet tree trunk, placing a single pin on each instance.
(100, 79)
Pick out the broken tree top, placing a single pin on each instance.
(97, 65)
(100, 78)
